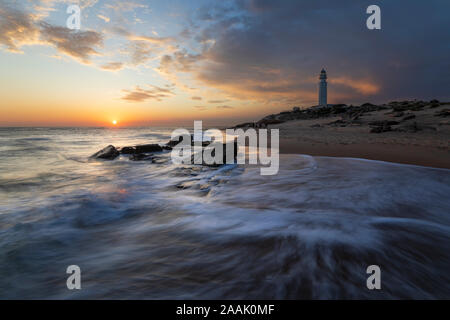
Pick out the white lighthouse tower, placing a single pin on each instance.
(323, 88)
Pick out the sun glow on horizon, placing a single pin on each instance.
(114, 122)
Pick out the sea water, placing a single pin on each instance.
(143, 230)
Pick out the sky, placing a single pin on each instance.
(164, 63)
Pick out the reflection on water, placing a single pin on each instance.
(153, 231)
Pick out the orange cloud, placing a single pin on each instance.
(140, 95)
(112, 66)
(17, 29)
(362, 86)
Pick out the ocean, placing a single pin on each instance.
(143, 230)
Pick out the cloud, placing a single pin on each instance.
(42, 12)
(112, 66)
(139, 52)
(224, 107)
(201, 108)
(217, 101)
(17, 28)
(140, 95)
(271, 52)
(365, 87)
(179, 61)
(196, 98)
(80, 45)
(104, 18)
(150, 39)
(125, 6)
(20, 28)
(141, 48)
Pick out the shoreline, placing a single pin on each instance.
(408, 132)
(400, 154)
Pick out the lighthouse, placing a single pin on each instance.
(323, 88)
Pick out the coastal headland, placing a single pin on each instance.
(408, 132)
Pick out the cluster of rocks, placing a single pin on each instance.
(313, 113)
(350, 115)
(107, 153)
(146, 152)
(139, 152)
(413, 105)
(263, 123)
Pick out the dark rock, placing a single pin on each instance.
(246, 125)
(108, 153)
(400, 108)
(206, 143)
(355, 115)
(141, 157)
(165, 147)
(173, 143)
(148, 148)
(317, 125)
(407, 105)
(442, 113)
(339, 108)
(409, 117)
(340, 123)
(141, 149)
(434, 105)
(128, 150)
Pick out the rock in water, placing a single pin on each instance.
(141, 157)
(108, 153)
(148, 148)
(173, 143)
(128, 150)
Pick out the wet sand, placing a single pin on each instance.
(414, 155)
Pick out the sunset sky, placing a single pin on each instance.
(174, 61)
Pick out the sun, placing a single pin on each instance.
(114, 122)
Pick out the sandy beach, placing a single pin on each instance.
(421, 140)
